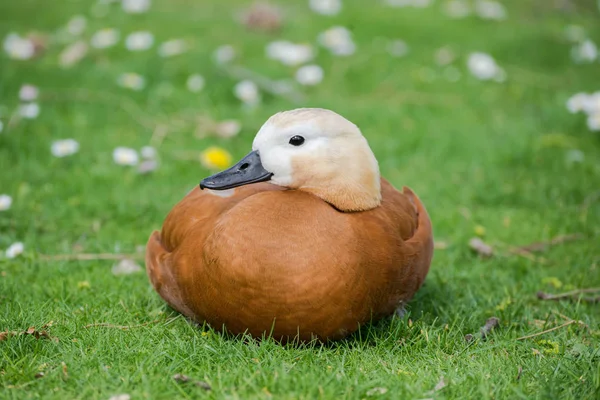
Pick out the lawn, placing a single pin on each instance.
(501, 159)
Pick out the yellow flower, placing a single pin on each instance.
(479, 230)
(215, 158)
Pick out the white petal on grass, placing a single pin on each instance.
(72, 54)
(492, 10)
(593, 122)
(139, 41)
(325, 7)
(15, 250)
(195, 83)
(309, 75)
(5, 202)
(482, 66)
(224, 54)
(131, 80)
(457, 9)
(125, 156)
(172, 48)
(18, 48)
(125, 267)
(76, 25)
(29, 110)
(148, 152)
(247, 92)
(591, 104)
(577, 102)
(136, 6)
(105, 38)
(585, 52)
(28, 93)
(397, 48)
(290, 54)
(338, 40)
(63, 148)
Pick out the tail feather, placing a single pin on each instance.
(420, 245)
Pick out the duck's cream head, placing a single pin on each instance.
(313, 150)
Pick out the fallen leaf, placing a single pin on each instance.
(65, 371)
(180, 378)
(480, 247)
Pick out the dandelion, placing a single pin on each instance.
(131, 81)
(5, 202)
(19, 48)
(139, 41)
(72, 54)
(76, 25)
(397, 48)
(224, 54)
(15, 250)
(105, 38)
(136, 6)
(28, 93)
(195, 83)
(63, 148)
(325, 7)
(488, 9)
(289, 53)
(172, 48)
(125, 156)
(338, 40)
(483, 66)
(215, 158)
(309, 75)
(457, 9)
(29, 110)
(247, 92)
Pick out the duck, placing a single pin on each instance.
(302, 239)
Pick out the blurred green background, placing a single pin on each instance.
(470, 103)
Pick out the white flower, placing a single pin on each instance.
(72, 54)
(105, 38)
(247, 92)
(65, 147)
(326, 7)
(228, 128)
(15, 249)
(309, 75)
(289, 53)
(125, 156)
(18, 48)
(29, 110)
(172, 48)
(28, 93)
(135, 6)
(5, 202)
(76, 25)
(457, 9)
(577, 102)
(338, 40)
(397, 48)
(488, 9)
(591, 103)
(195, 83)
(131, 80)
(585, 52)
(138, 41)
(224, 54)
(593, 121)
(483, 66)
(148, 152)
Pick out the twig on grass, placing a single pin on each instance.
(572, 295)
(544, 245)
(490, 324)
(548, 330)
(126, 327)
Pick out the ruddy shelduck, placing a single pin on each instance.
(300, 239)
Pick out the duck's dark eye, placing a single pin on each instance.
(296, 140)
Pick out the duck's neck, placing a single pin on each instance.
(348, 196)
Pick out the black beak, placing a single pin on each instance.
(248, 170)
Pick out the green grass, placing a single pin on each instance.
(477, 153)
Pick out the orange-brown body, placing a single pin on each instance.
(269, 260)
